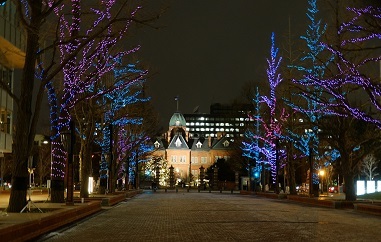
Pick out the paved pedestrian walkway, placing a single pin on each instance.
(160, 216)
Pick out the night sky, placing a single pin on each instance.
(206, 50)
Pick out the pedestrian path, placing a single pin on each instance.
(193, 216)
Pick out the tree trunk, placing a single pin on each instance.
(57, 179)
(85, 157)
(291, 176)
(25, 131)
(350, 192)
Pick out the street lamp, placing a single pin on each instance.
(321, 173)
(310, 161)
(68, 141)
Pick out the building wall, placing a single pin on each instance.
(12, 57)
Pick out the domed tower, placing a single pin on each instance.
(177, 125)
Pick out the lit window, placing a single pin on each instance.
(222, 124)
(202, 129)
(157, 144)
(178, 142)
(199, 144)
(195, 160)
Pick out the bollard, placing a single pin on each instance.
(199, 189)
(220, 190)
(177, 190)
(165, 189)
(231, 191)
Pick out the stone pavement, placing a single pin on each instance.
(193, 216)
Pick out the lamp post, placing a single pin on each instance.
(321, 173)
(311, 172)
(68, 140)
(111, 165)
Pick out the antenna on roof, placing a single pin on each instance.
(177, 102)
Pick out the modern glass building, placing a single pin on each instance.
(12, 57)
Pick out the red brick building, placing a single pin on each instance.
(187, 154)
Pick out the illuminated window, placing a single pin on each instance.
(194, 160)
(199, 144)
(157, 144)
(173, 159)
(204, 160)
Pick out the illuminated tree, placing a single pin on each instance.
(307, 141)
(272, 128)
(128, 112)
(251, 145)
(38, 17)
(351, 77)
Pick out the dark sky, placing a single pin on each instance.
(207, 49)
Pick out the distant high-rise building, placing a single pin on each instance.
(223, 120)
(12, 57)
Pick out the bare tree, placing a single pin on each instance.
(368, 166)
(37, 16)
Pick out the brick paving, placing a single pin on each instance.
(193, 216)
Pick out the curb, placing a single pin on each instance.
(34, 228)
